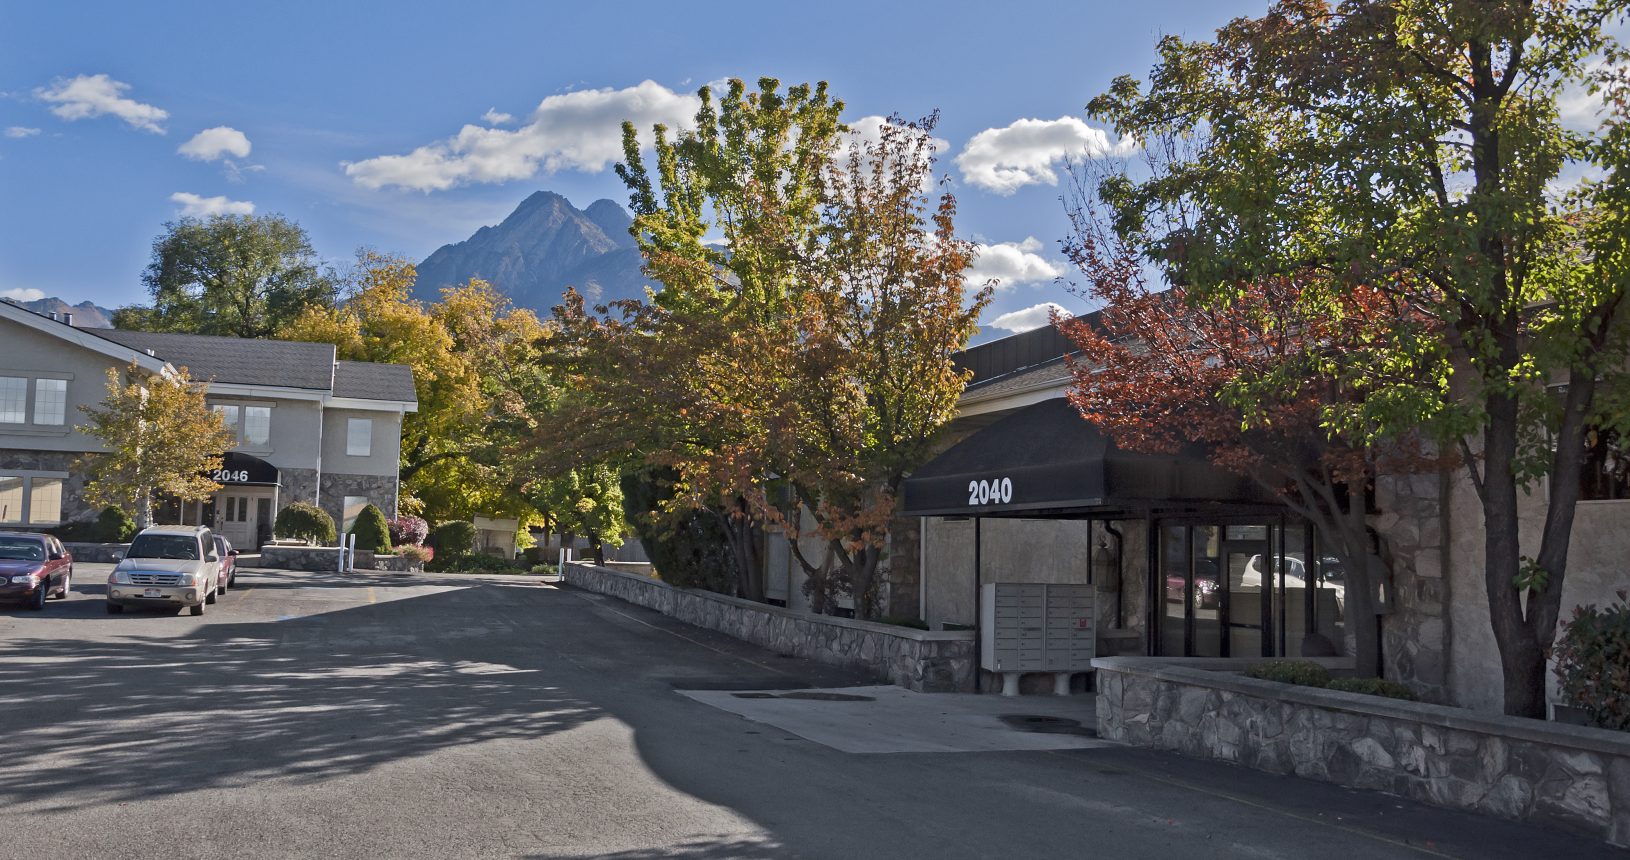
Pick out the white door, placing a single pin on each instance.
(238, 515)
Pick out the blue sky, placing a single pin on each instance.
(365, 122)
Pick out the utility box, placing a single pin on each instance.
(1037, 627)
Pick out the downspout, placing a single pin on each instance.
(1120, 571)
(922, 569)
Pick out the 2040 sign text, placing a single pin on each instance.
(996, 491)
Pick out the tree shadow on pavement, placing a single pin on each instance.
(311, 698)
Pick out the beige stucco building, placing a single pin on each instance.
(309, 427)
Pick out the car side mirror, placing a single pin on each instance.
(118, 557)
(212, 557)
(57, 556)
(232, 552)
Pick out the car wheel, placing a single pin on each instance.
(67, 586)
(115, 608)
(197, 609)
(38, 602)
(209, 596)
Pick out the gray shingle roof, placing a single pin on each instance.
(367, 380)
(288, 364)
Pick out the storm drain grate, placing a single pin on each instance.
(1048, 725)
(810, 695)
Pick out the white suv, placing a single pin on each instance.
(167, 566)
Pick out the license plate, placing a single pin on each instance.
(152, 592)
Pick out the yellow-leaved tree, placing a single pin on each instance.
(161, 439)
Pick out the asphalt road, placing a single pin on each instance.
(312, 715)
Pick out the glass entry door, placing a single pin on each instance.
(1222, 588)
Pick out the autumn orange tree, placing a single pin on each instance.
(1257, 381)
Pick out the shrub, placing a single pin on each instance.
(372, 533)
(305, 521)
(408, 530)
(113, 525)
(1299, 672)
(689, 549)
(414, 552)
(472, 563)
(1372, 687)
(1593, 664)
(455, 538)
(542, 569)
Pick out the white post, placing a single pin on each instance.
(560, 567)
(341, 563)
(352, 554)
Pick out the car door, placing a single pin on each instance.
(212, 559)
(56, 565)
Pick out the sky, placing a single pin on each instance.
(403, 126)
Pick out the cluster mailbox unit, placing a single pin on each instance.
(1037, 627)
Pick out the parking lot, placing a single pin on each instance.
(371, 716)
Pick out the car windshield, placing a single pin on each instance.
(182, 547)
(21, 550)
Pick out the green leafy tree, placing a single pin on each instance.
(161, 439)
(1415, 148)
(233, 275)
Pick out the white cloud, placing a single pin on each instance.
(22, 294)
(18, 131)
(1011, 264)
(579, 130)
(194, 206)
(88, 96)
(1028, 318)
(216, 143)
(1004, 160)
(494, 116)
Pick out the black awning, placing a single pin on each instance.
(243, 470)
(1047, 458)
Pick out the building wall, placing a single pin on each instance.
(33, 354)
(385, 452)
(1597, 569)
(379, 490)
(295, 440)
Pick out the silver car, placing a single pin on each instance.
(167, 566)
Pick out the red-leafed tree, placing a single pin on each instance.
(1272, 385)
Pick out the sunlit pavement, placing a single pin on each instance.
(374, 716)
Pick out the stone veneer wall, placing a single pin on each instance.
(1415, 635)
(380, 490)
(1517, 768)
(296, 485)
(920, 660)
(74, 506)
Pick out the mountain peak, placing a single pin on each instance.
(539, 249)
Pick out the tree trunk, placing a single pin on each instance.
(862, 570)
(597, 548)
(1522, 660)
(144, 510)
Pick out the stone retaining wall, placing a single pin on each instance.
(96, 553)
(1517, 768)
(920, 660)
(312, 558)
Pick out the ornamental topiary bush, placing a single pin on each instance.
(1593, 664)
(455, 538)
(409, 530)
(372, 533)
(1372, 687)
(307, 522)
(1299, 672)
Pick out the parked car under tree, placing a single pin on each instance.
(33, 567)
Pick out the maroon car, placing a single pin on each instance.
(229, 564)
(33, 567)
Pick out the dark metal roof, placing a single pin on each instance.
(1047, 460)
(1016, 352)
(370, 381)
(283, 363)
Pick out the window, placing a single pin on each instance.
(352, 509)
(257, 424)
(1606, 471)
(13, 399)
(45, 500)
(11, 499)
(50, 400)
(359, 436)
(229, 417)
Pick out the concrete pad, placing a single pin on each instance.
(889, 719)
